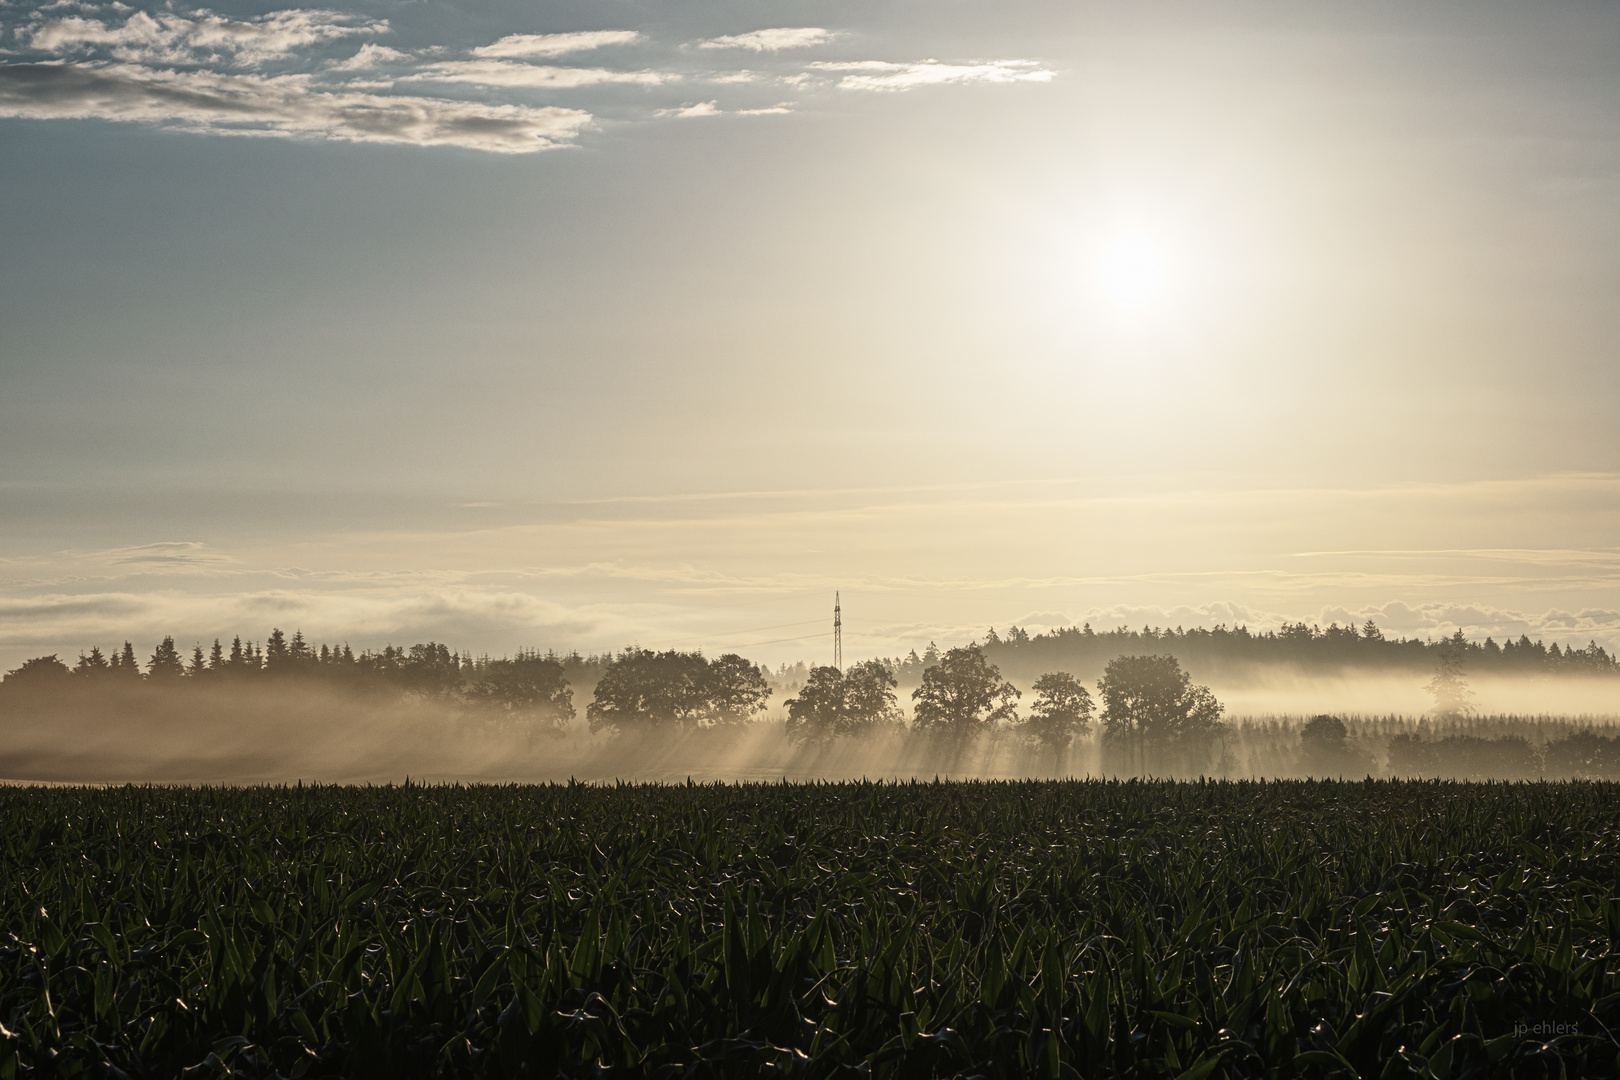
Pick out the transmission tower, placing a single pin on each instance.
(838, 634)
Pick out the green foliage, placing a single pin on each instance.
(1325, 749)
(963, 695)
(1062, 709)
(165, 663)
(1449, 687)
(642, 690)
(43, 671)
(1004, 930)
(530, 686)
(1154, 718)
(1233, 649)
(837, 703)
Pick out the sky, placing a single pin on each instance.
(580, 325)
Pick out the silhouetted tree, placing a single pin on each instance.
(42, 672)
(92, 666)
(642, 689)
(1325, 749)
(529, 686)
(835, 703)
(1449, 687)
(198, 664)
(963, 695)
(428, 668)
(299, 653)
(735, 689)
(817, 712)
(1062, 710)
(275, 652)
(165, 663)
(1410, 756)
(1154, 713)
(126, 665)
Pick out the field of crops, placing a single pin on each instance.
(1002, 929)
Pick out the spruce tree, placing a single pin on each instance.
(165, 662)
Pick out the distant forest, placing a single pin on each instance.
(435, 668)
(1151, 717)
(1226, 651)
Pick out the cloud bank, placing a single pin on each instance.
(299, 73)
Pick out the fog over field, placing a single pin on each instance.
(318, 734)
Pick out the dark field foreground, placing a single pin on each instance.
(1003, 929)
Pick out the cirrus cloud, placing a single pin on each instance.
(277, 105)
(512, 73)
(299, 73)
(547, 45)
(169, 37)
(883, 75)
(775, 40)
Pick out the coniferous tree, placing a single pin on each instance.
(165, 663)
(275, 652)
(127, 666)
(92, 666)
(198, 664)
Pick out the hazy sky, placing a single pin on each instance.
(578, 325)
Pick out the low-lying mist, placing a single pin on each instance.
(311, 732)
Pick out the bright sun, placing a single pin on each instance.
(1132, 271)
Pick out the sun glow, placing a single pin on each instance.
(1133, 272)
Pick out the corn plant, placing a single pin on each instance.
(1054, 929)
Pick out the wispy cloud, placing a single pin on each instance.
(548, 45)
(371, 55)
(168, 37)
(512, 73)
(687, 112)
(774, 40)
(186, 553)
(883, 75)
(302, 73)
(221, 104)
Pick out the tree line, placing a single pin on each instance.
(1212, 649)
(1152, 715)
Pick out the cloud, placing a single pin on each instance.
(173, 38)
(169, 553)
(282, 74)
(883, 75)
(518, 45)
(371, 55)
(283, 106)
(687, 112)
(1037, 619)
(511, 73)
(782, 37)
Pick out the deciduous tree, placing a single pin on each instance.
(1062, 710)
(963, 695)
(1154, 714)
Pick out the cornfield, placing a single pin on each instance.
(998, 929)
